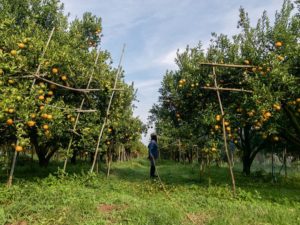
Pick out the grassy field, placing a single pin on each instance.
(128, 196)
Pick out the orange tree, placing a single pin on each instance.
(267, 117)
(39, 115)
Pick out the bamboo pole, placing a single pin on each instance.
(66, 87)
(42, 56)
(224, 132)
(107, 111)
(78, 113)
(12, 169)
(10, 178)
(74, 110)
(227, 65)
(226, 89)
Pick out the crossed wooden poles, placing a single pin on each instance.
(38, 76)
(218, 89)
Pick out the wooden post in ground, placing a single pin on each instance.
(107, 111)
(224, 133)
(12, 169)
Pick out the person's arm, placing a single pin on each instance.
(150, 147)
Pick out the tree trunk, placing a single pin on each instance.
(73, 159)
(43, 161)
(246, 165)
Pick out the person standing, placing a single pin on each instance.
(152, 154)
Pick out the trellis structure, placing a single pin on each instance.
(38, 76)
(218, 89)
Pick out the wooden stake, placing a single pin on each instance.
(226, 89)
(224, 133)
(42, 56)
(107, 111)
(227, 65)
(12, 169)
(66, 87)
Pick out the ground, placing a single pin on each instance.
(128, 196)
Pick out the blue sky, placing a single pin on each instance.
(153, 30)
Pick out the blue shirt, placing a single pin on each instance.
(153, 149)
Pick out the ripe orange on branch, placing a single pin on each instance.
(278, 44)
(31, 123)
(64, 78)
(19, 148)
(218, 117)
(277, 107)
(44, 116)
(21, 45)
(54, 70)
(49, 117)
(11, 110)
(9, 122)
(13, 52)
(280, 58)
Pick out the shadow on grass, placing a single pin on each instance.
(31, 171)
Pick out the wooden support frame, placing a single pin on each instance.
(107, 111)
(218, 89)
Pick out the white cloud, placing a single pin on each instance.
(153, 30)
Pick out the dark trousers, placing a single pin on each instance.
(152, 167)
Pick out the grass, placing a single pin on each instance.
(128, 196)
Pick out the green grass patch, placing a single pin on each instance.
(128, 196)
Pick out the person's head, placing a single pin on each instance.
(153, 137)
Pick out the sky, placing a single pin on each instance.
(153, 31)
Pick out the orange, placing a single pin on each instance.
(31, 123)
(278, 44)
(64, 77)
(9, 122)
(13, 52)
(41, 97)
(275, 138)
(54, 70)
(277, 107)
(280, 58)
(21, 45)
(19, 148)
(246, 62)
(218, 117)
(11, 110)
(45, 127)
(226, 123)
(217, 127)
(44, 116)
(10, 81)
